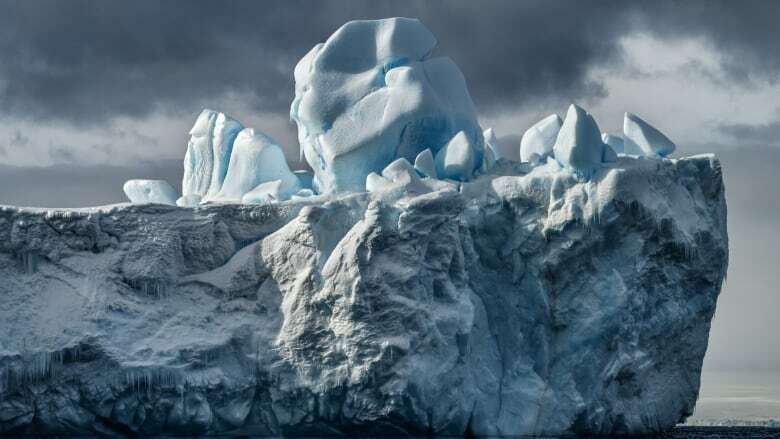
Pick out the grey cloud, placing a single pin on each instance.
(84, 61)
(747, 134)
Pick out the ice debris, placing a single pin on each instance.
(578, 146)
(370, 94)
(150, 192)
(640, 138)
(538, 141)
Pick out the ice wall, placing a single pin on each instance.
(526, 301)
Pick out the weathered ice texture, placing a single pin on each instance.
(535, 303)
(372, 93)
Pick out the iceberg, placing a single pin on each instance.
(538, 141)
(150, 192)
(371, 94)
(578, 145)
(412, 283)
(640, 138)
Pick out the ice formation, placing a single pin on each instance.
(414, 283)
(256, 159)
(538, 141)
(208, 154)
(639, 138)
(537, 303)
(370, 94)
(150, 192)
(614, 141)
(578, 145)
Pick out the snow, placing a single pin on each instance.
(370, 94)
(150, 192)
(538, 141)
(256, 158)
(456, 159)
(640, 138)
(578, 145)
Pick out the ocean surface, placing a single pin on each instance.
(738, 399)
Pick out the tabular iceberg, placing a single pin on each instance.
(413, 283)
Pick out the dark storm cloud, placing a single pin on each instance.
(86, 61)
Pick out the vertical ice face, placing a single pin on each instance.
(578, 145)
(456, 160)
(225, 131)
(208, 153)
(640, 138)
(256, 158)
(538, 141)
(371, 94)
(199, 158)
(150, 192)
(614, 141)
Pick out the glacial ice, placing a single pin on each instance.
(614, 141)
(150, 192)
(538, 141)
(425, 164)
(462, 295)
(492, 144)
(504, 307)
(456, 159)
(578, 145)
(208, 154)
(640, 138)
(370, 94)
(256, 159)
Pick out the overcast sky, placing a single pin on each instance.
(95, 92)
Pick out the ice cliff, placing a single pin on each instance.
(415, 283)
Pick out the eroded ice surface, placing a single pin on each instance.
(370, 94)
(533, 301)
(640, 138)
(578, 145)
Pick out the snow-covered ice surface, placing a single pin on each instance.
(526, 301)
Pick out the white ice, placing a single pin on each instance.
(614, 141)
(425, 165)
(456, 160)
(256, 158)
(578, 145)
(640, 138)
(538, 141)
(150, 192)
(370, 94)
